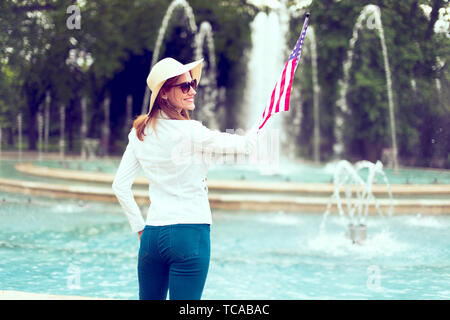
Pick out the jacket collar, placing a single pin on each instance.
(163, 115)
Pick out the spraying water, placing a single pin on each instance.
(372, 15)
(266, 59)
(162, 32)
(358, 195)
(208, 94)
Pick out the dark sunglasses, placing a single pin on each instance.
(186, 86)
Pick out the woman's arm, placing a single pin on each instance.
(123, 180)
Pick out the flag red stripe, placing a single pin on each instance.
(271, 101)
(283, 82)
(288, 92)
(264, 122)
(272, 98)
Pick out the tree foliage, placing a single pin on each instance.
(37, 42)
(417, 57)
(117, 39)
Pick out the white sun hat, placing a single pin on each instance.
(166, 69)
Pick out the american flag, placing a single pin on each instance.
(279, 99)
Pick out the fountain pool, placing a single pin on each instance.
(64, 247)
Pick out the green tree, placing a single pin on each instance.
(37, 43)
(414, 50)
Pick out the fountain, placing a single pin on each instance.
(161, 33)
(267, 57)
(265, 61)
(358, 196)
(209, 93)
(372, 14)
(78, 228)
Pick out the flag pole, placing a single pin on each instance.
(305, 26)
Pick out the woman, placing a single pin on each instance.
(170, 148)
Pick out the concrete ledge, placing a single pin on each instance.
(74, 175)
(239, 201)
(325, 189)
(60, 191)
(21, 295)
(319, 205)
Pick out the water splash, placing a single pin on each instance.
(383, 243)
(267, 56)
(358, 193)
(372, 15)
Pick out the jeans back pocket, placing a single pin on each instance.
(185, 241)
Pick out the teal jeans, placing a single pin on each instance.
(174, 259)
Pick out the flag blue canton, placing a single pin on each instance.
(298, 46)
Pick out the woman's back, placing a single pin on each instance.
(175, 160)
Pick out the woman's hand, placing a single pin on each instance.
(140, 234)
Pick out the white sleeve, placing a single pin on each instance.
(123, 180)
(205, 139)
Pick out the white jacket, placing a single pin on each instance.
(175, 160)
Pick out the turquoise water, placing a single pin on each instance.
(71, 248)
